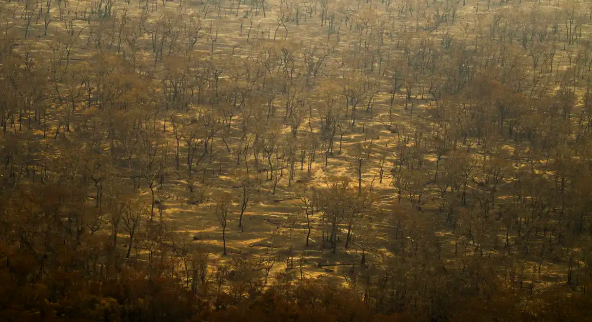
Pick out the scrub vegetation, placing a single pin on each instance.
(295, 160)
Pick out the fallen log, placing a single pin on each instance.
(261, 245)
(321, 265)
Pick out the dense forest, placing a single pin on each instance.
(295, 160)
